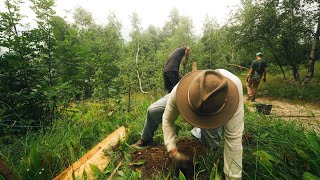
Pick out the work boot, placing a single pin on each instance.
(141, 143)
(253, 99)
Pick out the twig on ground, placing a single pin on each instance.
(236, 65)
(115, 170)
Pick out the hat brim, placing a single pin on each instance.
(208, 121)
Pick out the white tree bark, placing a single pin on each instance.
(139, 78)
(313, 55)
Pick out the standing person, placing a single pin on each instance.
(257, 69)
(207, 99)
(171, 68)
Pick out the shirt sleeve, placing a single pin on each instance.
(233, 131)
(252, 64)
(233, 145)
(169, 116)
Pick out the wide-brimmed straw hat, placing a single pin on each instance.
(207, 99)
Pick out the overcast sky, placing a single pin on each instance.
(149, 11)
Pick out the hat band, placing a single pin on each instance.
(203, 113)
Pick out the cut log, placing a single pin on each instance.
(95, 156)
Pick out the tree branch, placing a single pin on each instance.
(140, 83)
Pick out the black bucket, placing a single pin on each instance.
(264, 108)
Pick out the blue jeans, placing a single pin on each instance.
(210, 137)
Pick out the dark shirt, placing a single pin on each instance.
(174, 60)
(258, 66)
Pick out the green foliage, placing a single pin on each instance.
(181, 176)
(280, 29)
(23, 98)
(214, 175)
(32, 166)
(313, 158)
(309, 176)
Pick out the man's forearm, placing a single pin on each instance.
(249, 73)
(168, 118)
(185, 61)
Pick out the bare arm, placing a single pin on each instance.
(187, 53)
(168, 126)
(249, 73)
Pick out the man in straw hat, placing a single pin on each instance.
(207, 99)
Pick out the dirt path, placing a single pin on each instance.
(308, 115)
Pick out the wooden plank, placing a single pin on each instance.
(194, 66)
(94, 156)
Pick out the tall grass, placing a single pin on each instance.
(273, 149)
(43, 154)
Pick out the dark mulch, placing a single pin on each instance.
(157, 161)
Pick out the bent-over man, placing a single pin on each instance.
(209, 100)
(171, 68)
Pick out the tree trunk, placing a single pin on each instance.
(313, 55)
(140, 82)
(280, 65)
(295, 71)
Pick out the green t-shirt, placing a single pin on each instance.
(258, 67)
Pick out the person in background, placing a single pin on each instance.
(258, 69)
(208, 100)
(171, 68)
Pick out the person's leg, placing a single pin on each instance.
(173, 78)
(154, 118)
(211, 137)
(254, 90)
(249, 90)
(167, 83)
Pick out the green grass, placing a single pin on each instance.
(273, 149)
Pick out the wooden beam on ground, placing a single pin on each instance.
(303, 116)
(95, 156)
(194, 66)
(236, 65)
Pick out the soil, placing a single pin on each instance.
(307, 115)
(157, 161)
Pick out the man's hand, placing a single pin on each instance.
(185, 61)
(180, 157)
(183, 162)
